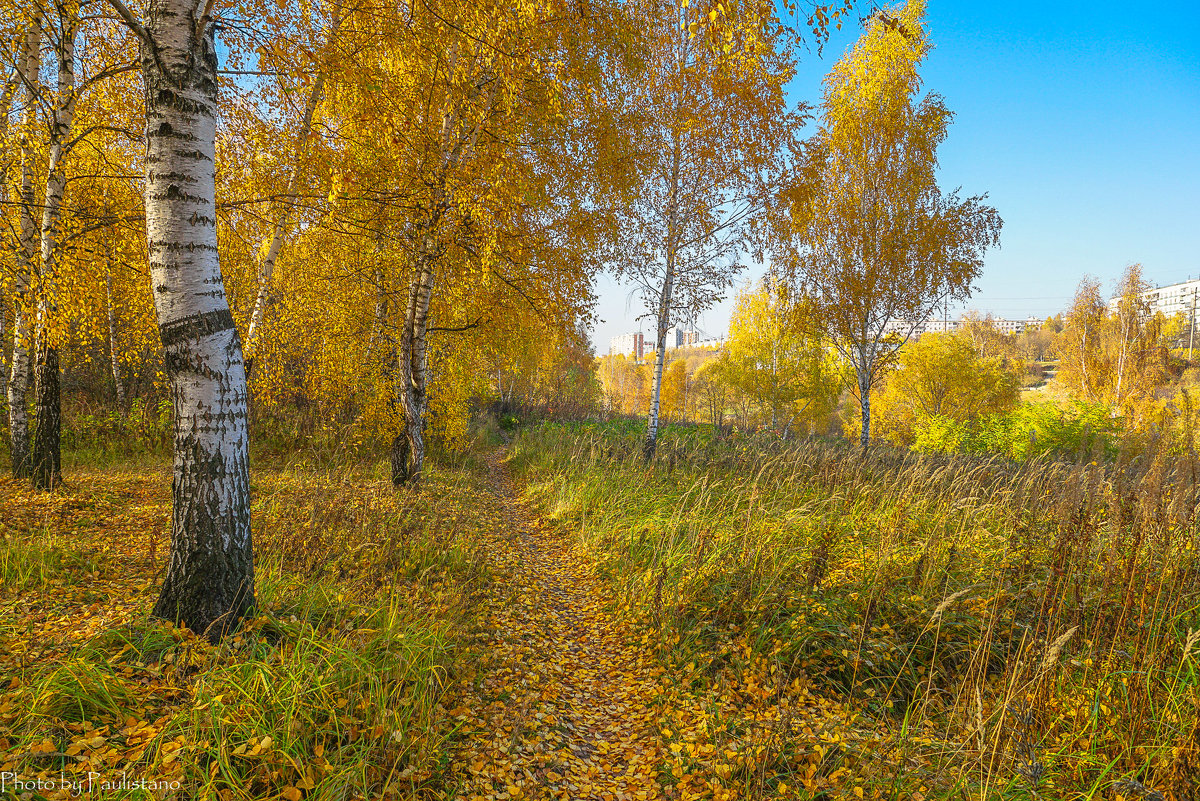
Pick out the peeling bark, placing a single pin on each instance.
(413, 390)
(209, 584)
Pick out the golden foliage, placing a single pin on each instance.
(864, 231)
(944, 375)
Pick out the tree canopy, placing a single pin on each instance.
(864, 230)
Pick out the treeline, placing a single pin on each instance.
(1098, 378)
(408, 203)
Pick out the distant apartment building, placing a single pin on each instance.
(1182, 298)
(637, 345)
(941, 325)
(903, 327)
(1030, 323)
(712, 343)
(679, 338)
(631, 345)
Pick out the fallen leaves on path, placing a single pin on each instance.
(566, 703)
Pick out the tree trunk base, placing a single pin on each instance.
(399, 455)
(210, 605)
(46, 461)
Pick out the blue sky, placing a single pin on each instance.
(1080, 121)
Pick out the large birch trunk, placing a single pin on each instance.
(209, 584)
(46, 458)
(22, 361)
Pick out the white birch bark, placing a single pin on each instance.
(209, 584)
(414, 396)
(664, 304)
(22, 363)
(46, 458)
(864, 395)
(458, 142)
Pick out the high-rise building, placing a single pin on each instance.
(631, 345)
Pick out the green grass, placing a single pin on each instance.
(31, 560)
(368, 600)
(922, 596)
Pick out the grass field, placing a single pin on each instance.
(336, 689)
(817, 624)
(897, 626)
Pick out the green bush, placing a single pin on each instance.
(1080, 430)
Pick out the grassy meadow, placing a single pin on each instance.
(829, 625)
(895, 625)
(336, 689)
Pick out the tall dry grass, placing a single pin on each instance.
(996, 629)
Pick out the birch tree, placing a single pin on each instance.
(773, 358)
(1081, 367)
(275, 144)
(1113, 356)
(27, 69)
(454, 134)
(1136, 351)
(209, 584)
(714, 117)
(46, 460)
(867, 234)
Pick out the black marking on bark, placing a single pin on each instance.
(167, 98)
(195, 327)
(174, 194)
(176, 177)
